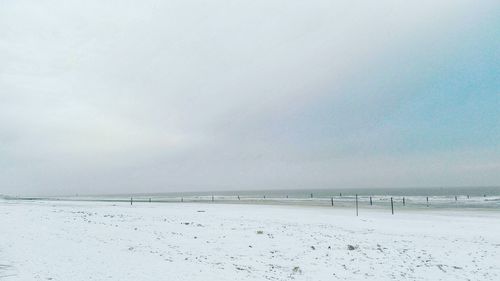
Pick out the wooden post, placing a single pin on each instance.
(455, 198)
(404, 203)
(264, 197)
(182, 199)
(311, 195)
(212, 198)
(149, 200)
(238, 197)
(131, 201)
(341, 194)
(371, 203)
(287, 196)
(468, 197)
(357, 205)
(332, 201)
(427, 201)
(392, 206)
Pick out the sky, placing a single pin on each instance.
(191, 95)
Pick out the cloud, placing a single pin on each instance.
(144, 96)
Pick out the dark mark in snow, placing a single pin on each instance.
(351, 247)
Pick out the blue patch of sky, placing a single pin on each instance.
(437, 94)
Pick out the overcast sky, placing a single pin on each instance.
(179, 95)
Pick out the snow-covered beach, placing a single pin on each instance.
(41, 240)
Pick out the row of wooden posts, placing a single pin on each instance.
(357, 206)
(392, 202)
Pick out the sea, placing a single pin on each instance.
(388, 198)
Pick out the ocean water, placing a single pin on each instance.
(441, 197)
(327, 193)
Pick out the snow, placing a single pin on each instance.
(50, 240)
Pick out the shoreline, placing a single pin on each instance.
(412, 203)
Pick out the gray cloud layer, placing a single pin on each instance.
(138, 96)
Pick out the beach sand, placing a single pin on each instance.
(201, 241)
